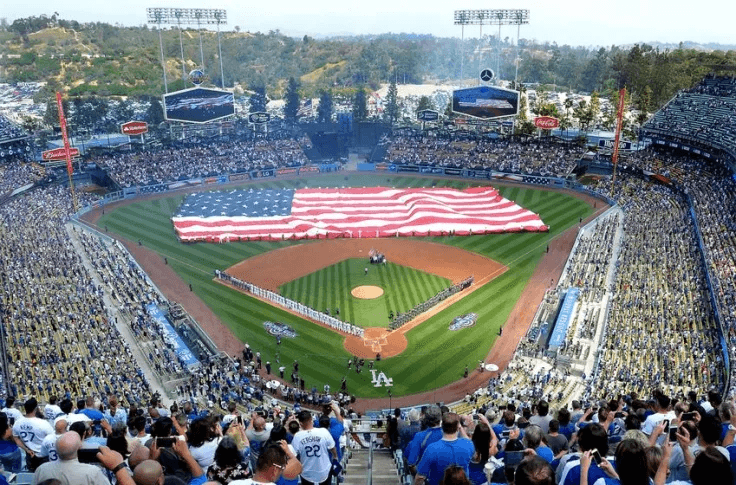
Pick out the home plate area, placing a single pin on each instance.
(375, 338)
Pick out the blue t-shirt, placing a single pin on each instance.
(443, 453)
(545, 453)
(594, 473)
(420, 442)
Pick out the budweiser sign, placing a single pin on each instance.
(59, 153)
(134, 128)
(546, 122)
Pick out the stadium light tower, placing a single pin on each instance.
(155, 16)
(200, 16)
(494, 17)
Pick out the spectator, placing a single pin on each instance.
(29, 432)
(68, 469)
(534, 471)
(229, 464)
(450, 450)
(269, 467)
(314, 446)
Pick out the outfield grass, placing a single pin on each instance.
(434, 357)
(330, 287)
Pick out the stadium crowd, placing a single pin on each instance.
(66, 314)
(533, 157)
(706, 112)
(172, 164)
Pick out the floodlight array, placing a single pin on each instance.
(492, 17)
(186, 16)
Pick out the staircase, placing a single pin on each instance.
(383, 472)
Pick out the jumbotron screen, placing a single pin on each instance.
(485, 102)
(198, 105)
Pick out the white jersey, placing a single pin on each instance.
(48, 448)
(72, 418)
(32, 431)
(51, 411)
(12, 413)
(313, 447)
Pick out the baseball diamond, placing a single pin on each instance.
(426, 354)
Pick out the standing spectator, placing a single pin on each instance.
(433, 433)
(269, 467)
(11, 411)
(661, 412)
(115, 414)
(314, 447)
(229, 464)
(533, 440)
(10, 456)
(29, 432)
(450, 450)
(203, 437)
(556, 441)
(485, 445)
(542, 417)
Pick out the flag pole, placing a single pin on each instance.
(67, 150)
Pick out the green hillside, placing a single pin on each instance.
(435, 356)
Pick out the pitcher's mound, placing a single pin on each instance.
(367, 292)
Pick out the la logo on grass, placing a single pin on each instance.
(381, 379)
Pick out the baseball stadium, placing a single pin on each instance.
(232, 271)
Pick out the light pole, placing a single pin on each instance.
(493, 17)
(179, 16)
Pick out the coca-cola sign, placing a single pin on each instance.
(546, 122)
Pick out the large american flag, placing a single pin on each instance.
(275, 214)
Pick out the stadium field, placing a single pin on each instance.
(434, 356)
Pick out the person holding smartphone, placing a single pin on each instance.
(68, 466)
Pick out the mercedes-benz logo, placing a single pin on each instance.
(486, 75)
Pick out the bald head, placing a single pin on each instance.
(60, 426)
(139, 454)
(149, 472)
(259, 424)
(68, 444)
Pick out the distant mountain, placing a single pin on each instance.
(709, 47)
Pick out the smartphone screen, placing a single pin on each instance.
(165, 442)
(673, 433)
(87, 455)
(597, 457)
(513, 458)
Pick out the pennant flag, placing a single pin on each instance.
(275, 214)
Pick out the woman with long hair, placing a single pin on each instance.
(485, 443)
(204, 436)
(229, 464)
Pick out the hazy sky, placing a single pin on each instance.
(574, 22)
